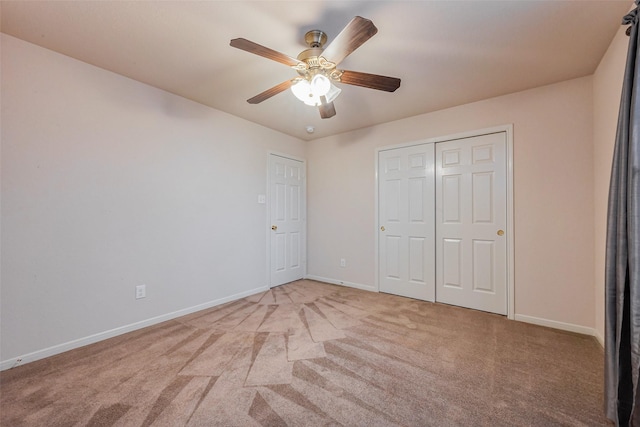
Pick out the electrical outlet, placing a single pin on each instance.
(141, 291)
(343, 262)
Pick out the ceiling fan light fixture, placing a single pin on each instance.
(303, 90)
(310, 92)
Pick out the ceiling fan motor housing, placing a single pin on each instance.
(314, 62)
(309, 56)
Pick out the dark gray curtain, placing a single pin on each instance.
(622, 270)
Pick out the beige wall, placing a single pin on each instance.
(553, 179)
(607, 88)
(108, 183)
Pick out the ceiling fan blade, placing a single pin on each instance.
(327, 109)
(270, 92)
(372, 81)
(257, 49)
(358, 31)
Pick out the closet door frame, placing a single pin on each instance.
(508, 129)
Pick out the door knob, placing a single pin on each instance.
(500, 233)
(382, 228)
(274, 227)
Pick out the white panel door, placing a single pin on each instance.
(287, 214)
(406, 221)
(471, 215)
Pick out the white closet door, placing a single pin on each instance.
(406, 221)
(471, 214)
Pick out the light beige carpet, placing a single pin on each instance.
(312, 354)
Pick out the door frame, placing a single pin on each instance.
(508, 130)
(303, 256)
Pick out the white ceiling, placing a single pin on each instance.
(447, 53)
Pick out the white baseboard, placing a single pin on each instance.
(343, 283)
(599, 337)
(61, 348)
(559, 325)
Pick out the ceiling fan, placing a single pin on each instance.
(316, 67)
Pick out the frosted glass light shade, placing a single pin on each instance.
(333, 93)
(302, 90)
(320, 85)
(310, 92)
